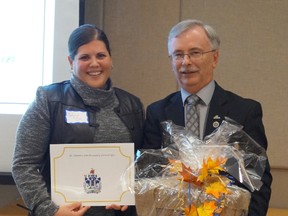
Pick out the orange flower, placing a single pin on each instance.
(191, 211)
(185, 172)
(188, 176)
(176, 166)
(206, 209)
(216, 189)
(211, 167)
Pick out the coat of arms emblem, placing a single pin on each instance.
(92, 183)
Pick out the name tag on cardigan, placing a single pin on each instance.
(74, 117)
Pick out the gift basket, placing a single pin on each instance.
(199, 178)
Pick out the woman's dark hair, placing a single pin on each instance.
(83, 35)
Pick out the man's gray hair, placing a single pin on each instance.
(190, 24)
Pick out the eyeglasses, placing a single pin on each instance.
(196, 54)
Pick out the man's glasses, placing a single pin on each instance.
(196, 54)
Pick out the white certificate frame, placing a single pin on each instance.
(73, 178)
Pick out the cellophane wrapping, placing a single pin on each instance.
(199, 178)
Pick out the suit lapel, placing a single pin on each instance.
(217, 110)
(175, 110)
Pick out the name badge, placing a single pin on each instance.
(74, 117)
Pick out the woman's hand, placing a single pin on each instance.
(117, 207)
(74, 209)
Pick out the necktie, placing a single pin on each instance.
(192, 117)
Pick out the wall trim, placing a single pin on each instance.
(279, 168)
(6, 178)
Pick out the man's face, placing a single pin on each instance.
(195, 71)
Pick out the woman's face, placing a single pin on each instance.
(92, 64)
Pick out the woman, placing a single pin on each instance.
(89, 90)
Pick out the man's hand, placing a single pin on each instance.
(74, 209)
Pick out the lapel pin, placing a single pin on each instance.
(215, 124)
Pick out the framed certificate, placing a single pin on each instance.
(94, 174)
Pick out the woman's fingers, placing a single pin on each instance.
(117, 207)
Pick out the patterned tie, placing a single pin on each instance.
(192, 117)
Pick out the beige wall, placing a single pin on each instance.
(253, 57)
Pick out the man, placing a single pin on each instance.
(194, 51)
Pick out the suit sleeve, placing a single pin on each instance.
(254, 127)
(152, 130)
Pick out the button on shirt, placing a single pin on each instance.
(205, 94)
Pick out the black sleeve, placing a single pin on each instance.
(152, 130)
(254, 127)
